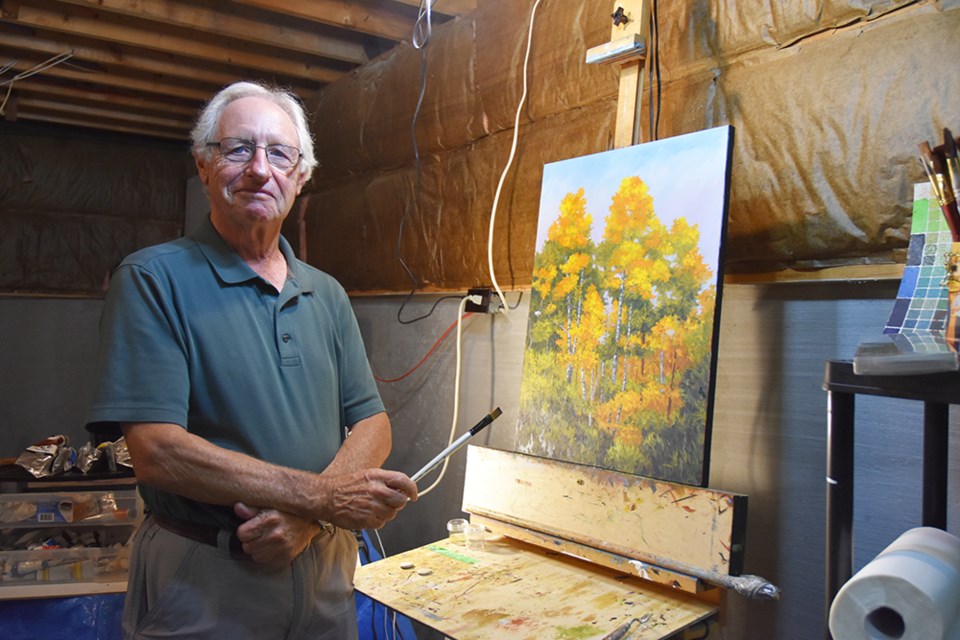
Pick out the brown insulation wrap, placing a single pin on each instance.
(829, 100)
(72, 208)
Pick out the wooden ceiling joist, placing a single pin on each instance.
(295, 37)
(146, 122)
(227, 52)
(154, 62)
(75, 120)
(124, 82)
(390, 20)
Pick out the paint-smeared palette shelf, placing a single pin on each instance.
(510, 590)
(573, 552)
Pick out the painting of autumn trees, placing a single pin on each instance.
(618, 362)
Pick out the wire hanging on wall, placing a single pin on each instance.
(422, 32)
(42, 66)
(513, 150)
(456, 395)
(654, 71)
(428, 354)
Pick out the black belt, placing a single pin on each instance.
(201, 533)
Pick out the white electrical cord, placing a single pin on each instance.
(423, 29)
(513, 149)
(43, 66)
(456, 395)
(373, 610)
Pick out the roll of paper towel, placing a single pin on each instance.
(910, 591)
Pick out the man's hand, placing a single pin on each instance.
(273, 537)
(368, 499)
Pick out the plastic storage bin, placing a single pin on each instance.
(74, 508)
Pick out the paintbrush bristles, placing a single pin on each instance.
(949, 144)
(927, 160)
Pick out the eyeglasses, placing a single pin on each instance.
(239, 150)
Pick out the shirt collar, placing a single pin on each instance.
(228, 264)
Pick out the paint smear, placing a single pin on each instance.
(576, 633)
(451, 554)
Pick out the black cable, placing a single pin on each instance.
(428, 313)
(656, 46)
(418, 185)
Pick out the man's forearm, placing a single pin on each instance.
(367, 446)
(352, 492)
(171, 459)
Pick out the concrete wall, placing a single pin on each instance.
(47, 351)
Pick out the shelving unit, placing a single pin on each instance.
(937, 391)
(94, 517)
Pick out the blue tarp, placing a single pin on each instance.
(375, 620)
(79, 618)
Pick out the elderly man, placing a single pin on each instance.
(238, 376)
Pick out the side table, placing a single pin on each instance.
(937, 391)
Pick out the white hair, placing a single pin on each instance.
(209, 119)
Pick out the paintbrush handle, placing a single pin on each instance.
(456, 444)
(953, 169)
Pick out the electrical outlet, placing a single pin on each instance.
(487, 302)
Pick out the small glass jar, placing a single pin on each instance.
(476, 536)
(456, 527)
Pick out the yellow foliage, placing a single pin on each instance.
(576, 263)
(571, 229)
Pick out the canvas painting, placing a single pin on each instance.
(619, 359)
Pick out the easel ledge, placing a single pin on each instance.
(569, 549)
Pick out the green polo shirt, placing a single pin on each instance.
(191, 335)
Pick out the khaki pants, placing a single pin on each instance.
(190, 590)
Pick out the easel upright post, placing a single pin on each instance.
(628, 48)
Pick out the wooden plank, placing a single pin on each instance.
(845, 273)
(226, 53)
(393, 22)
(637, 13)
(94, 125)
(652, 573)
(628, 104)
(513, 591)
(111, 58)
(146, 85)
(234, 24)
(120, 60)
(663, 523)
(60, 589)
(135, 103)
(446, 7)
(81, 112)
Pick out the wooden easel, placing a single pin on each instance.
(575, 551)
(628, 48)
(572, 552)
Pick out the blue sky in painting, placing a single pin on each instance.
(685, 174)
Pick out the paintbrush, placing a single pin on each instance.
(933, 165)
(620, 632)
(952, 162)
(459, 442)
(926, 160)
